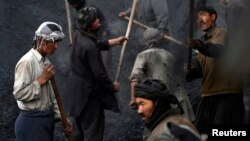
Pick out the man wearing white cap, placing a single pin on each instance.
(33, 90)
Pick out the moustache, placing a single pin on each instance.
(202, 22)
(141, 115)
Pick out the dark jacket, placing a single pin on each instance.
(88, 76)
(164, 132)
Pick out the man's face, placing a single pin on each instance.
(205, 20)
(50, 47)
(145, 108)
(95, 25)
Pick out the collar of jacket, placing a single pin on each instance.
(209, 34)
(92, 35)
(162, 110)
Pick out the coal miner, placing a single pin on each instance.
(157, 63)
(161, 113)
(103, 31)
(32, 87)
(90, 88)
(221, 91)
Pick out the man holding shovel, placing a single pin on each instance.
(154, 62)
(150, 16)
(90, 88)
(33, 90)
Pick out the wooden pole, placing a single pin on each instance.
(172, 39)
(191, 20)
(61, 109)
(125, 42)
(137, 22)
(69, 22)
(146, 27)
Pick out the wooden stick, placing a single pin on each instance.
(61, 109)
(172, 39)
(125, 42)
(136, 22)
(191, 18)
(145, 26)
(69, 22)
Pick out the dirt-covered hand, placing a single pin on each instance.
(122, 14)
(47, 74)
(116, 86)
(132, 104)
(186, 70)
(117, 41)
(196, 43)
(120, 40)
(68, 130)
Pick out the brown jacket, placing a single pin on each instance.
(216, 80)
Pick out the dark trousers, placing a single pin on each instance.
(34, 126)
(89, 125)
(224, 109)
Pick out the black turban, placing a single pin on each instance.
(156, 90)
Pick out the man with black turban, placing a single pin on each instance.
(161, 112)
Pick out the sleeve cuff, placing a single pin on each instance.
(103, 45)
(38, 88)
(36, 83)
(57, 116)
(134, 80)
